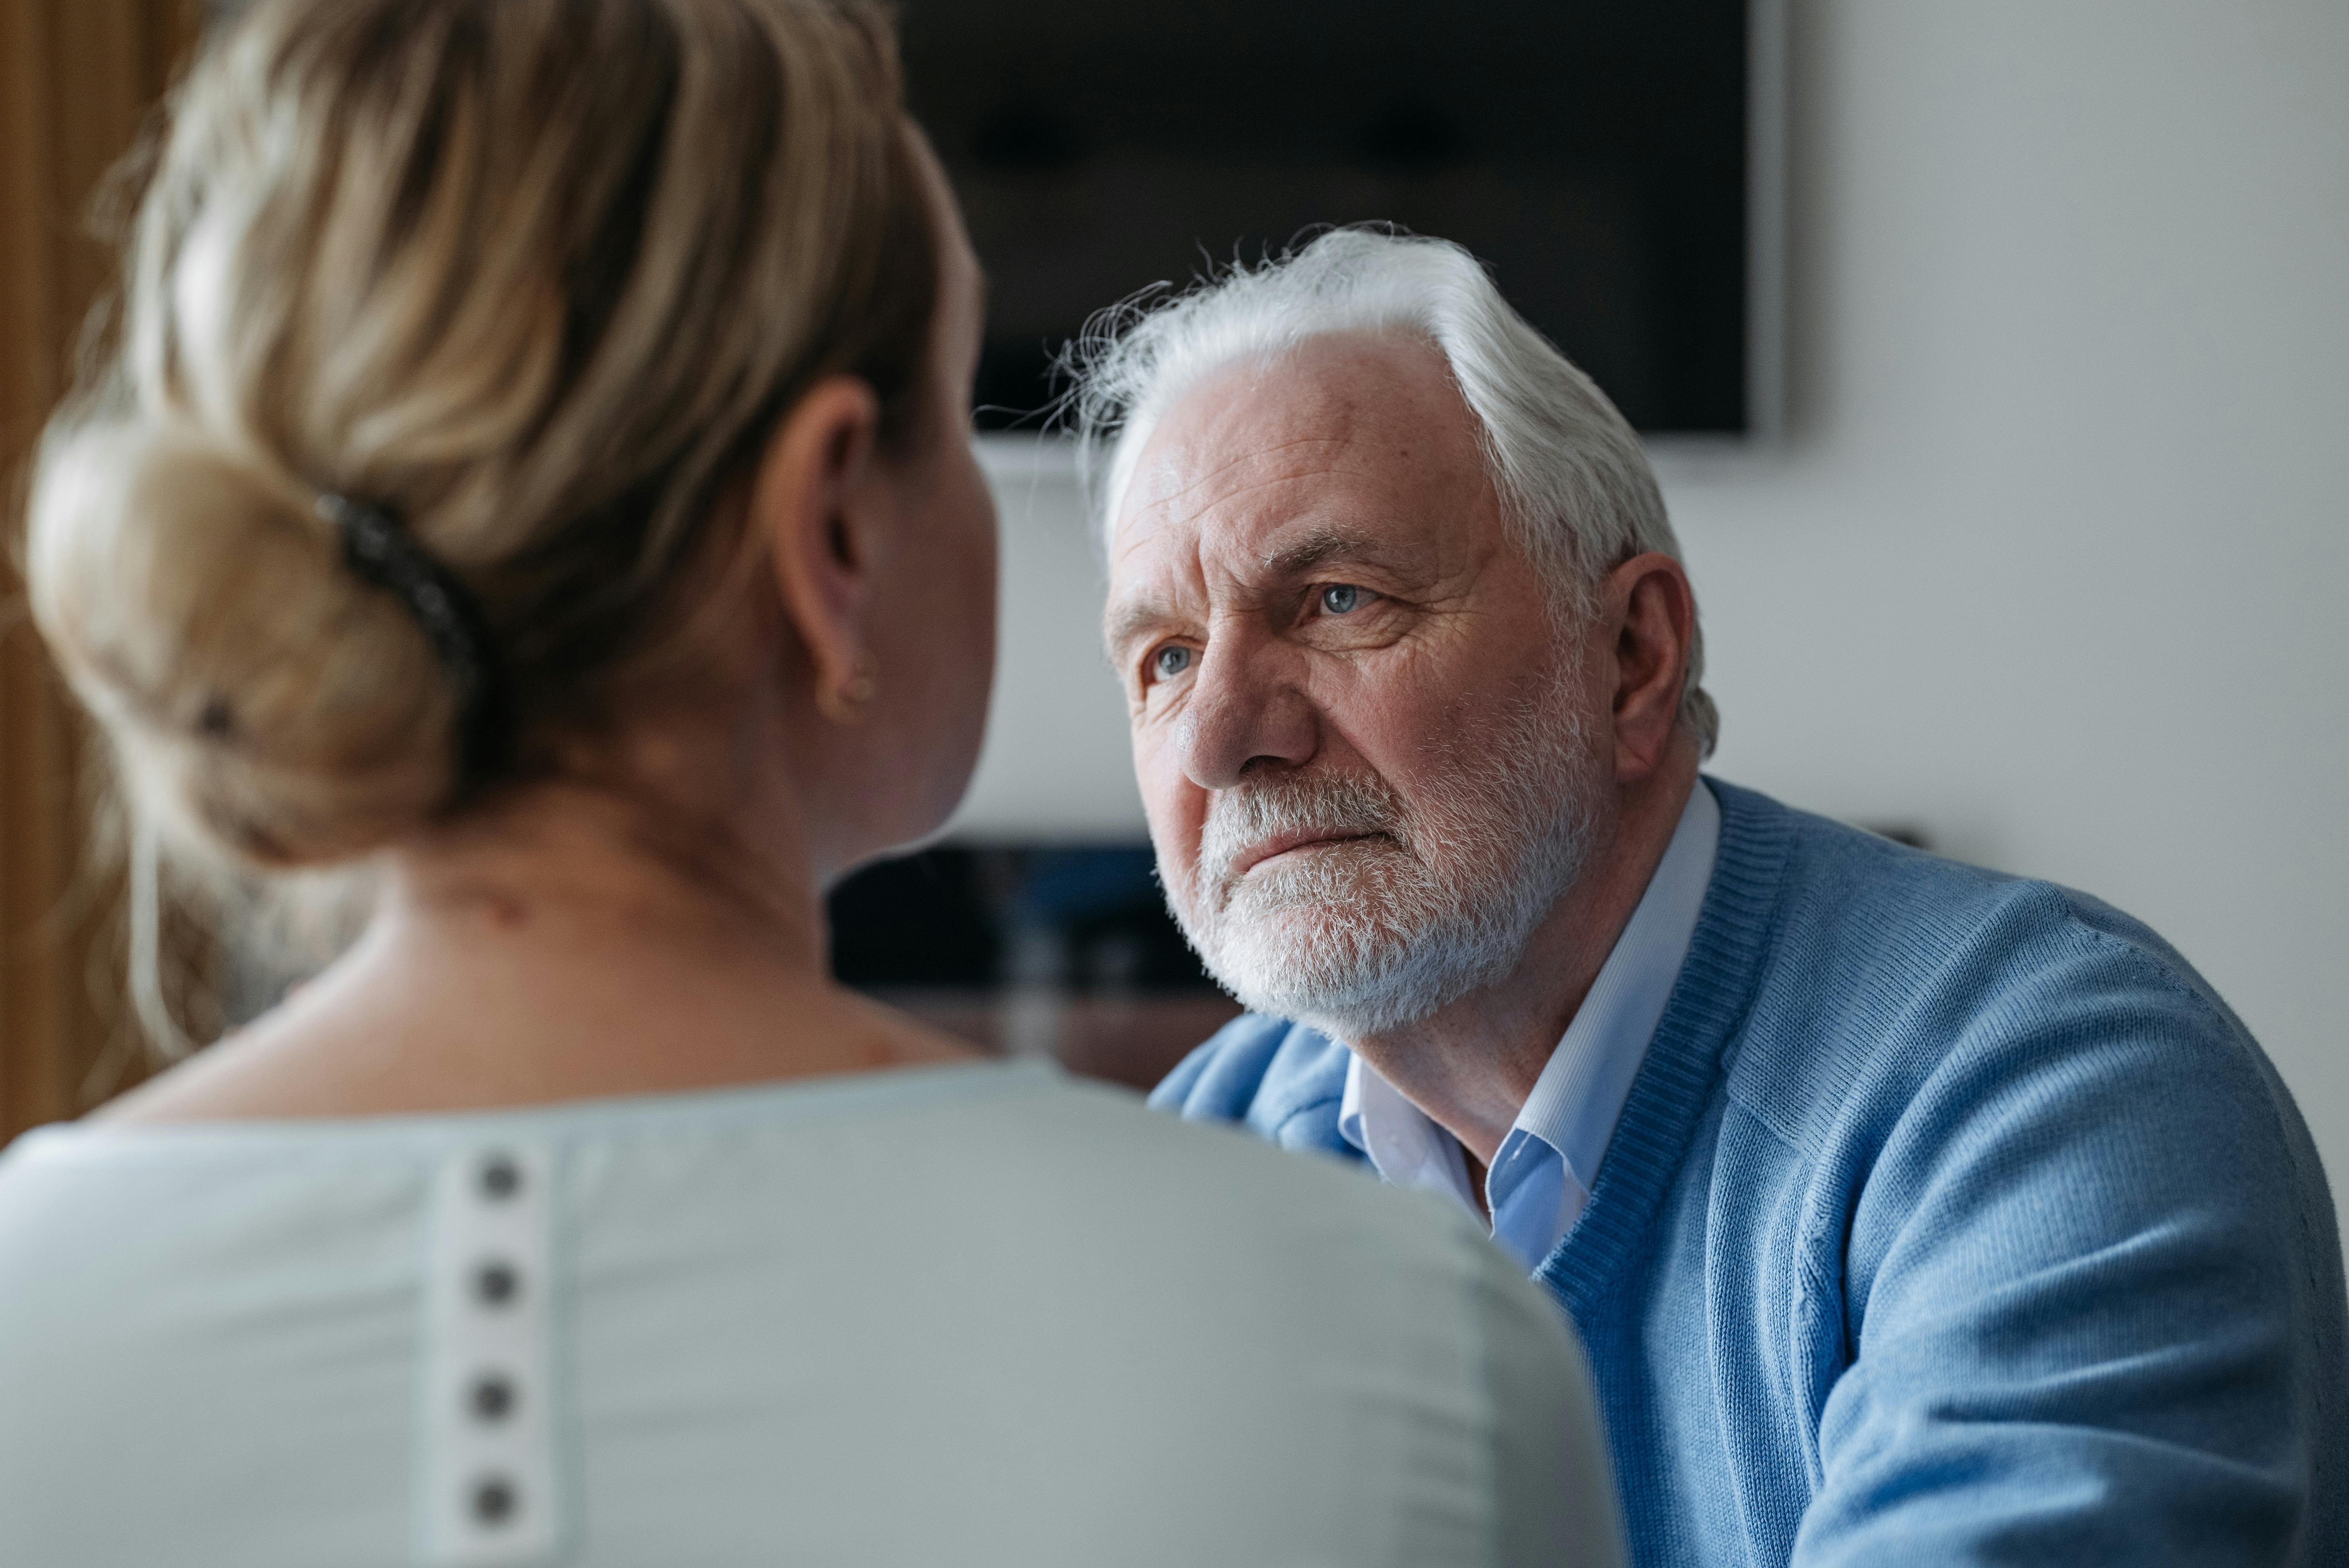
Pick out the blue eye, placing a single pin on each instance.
(1340, 598)
(1170, 661)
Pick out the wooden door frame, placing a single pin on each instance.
(78, 81)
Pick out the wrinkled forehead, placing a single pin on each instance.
(1344, 416)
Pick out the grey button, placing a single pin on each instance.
(494, 1499)
(501, 1178)
(492, 1396)
(496, 1284)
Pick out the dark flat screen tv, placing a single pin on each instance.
(1609, 160)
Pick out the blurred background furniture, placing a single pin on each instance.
(1058, 950)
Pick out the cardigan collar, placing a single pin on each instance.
(1689, 1053)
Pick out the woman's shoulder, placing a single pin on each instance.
(1095, 1165)
(992, 1272)
(1213, 1185)
(1015, 1173)
(1019, 1145)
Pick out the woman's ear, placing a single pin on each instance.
(815, 499)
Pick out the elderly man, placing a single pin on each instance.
(1909, 1213)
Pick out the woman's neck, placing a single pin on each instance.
(566, 944)
(567, 869)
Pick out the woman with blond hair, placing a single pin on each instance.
(535, 467)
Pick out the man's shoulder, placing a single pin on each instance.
(1281, 1080)
(1840, 879)
(1886, 966)
(1988, 1133)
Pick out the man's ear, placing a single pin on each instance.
(813, 499)
(1651, 611)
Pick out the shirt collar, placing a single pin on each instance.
(1562, 1130)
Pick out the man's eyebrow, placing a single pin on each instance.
(1132, 618)
(1316, 549)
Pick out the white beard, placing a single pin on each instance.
(1371, 934)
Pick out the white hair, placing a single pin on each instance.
(1576, 489)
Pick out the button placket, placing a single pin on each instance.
(488, 1473)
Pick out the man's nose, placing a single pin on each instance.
(1245, 713)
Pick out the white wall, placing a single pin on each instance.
(1055, 764)
(2052, 562)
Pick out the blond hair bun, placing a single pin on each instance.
(264, 701)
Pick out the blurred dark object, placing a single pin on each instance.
(1594, 155)
(1909, 833)
(1029, 950)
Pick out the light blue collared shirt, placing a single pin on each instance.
(1542, 1173)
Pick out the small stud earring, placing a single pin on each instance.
(844, 703)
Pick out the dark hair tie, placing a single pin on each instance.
(385, 555)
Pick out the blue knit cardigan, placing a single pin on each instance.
(1951, 1218)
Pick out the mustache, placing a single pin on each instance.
(1336, 804)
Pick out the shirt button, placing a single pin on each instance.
(494, 1499)
(491, 1397)
(501, 1178)
(496, 1284)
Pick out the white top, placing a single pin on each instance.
(963, 1315)
(1543, 1172)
